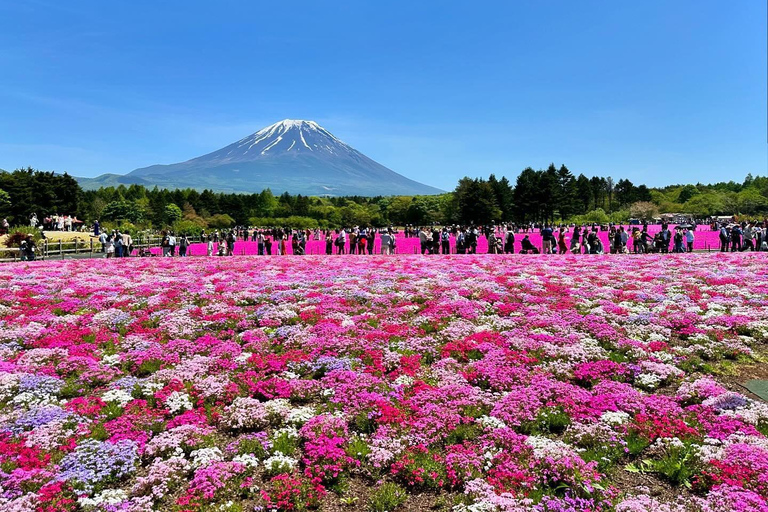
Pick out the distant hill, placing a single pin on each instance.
(111, 180)
(299, 157)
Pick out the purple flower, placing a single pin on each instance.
(94, 462)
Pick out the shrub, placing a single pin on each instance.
(220, 221)
(17, 234)
(387, 497)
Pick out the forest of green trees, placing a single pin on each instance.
(549, 195)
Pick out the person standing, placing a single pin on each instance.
(624, 240)
(666, 238)
(103, 242)
(210, 246)
(231, 244)
(748, 236)
(646, 241)
(509, 241)
(724, 237)
(260, 243)
(371, 239)
(127, 244)
(759, 237)
(303, 241)
(678, 242)
(424, 240)
(353, 240)
(616, 242)
(491, 243)
(562, 247)
(386, 238)
(735, 238)
(585, 240)
(461, 242)
(546, 239)
(118, 241)
(445, 241)
(689, 238)
(342, 239)
(110, 246)
(183, 245)
(171, 244)
(164, 244)
(575, 239)
(435, 247)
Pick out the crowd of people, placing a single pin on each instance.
(56, 222)
(455, 239)
(276, 240)
(747, 236)
(452, 239)
(116, 244)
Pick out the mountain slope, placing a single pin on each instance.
(300, 157)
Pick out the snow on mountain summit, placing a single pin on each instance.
(289, 135)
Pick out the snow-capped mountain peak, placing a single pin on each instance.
(294, 155)
(289, 135)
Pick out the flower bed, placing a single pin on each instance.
(474, 384)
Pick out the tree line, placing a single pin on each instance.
(549, 195)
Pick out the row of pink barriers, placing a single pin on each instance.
(705, 239)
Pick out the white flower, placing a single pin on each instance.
(291, 432)
(248, 460)
(491, 422)
(105, 497)
(8, 384)
(243, 357)
(404, 380)
(544, 447)
(120, 396)
(178, 401)
(205, 456)
(111, 360)
(648, 380)
(614, 417)
(278, 408)
(35, 398)
(300, 415)
(280, 463)
(148, 388)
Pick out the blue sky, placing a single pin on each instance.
(656, 91)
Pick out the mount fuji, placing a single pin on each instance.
(300, 157)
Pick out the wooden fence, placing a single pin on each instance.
(89, 247)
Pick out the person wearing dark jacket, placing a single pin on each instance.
(445, 241)
(526, 247)
(735, 238)
(509, 243)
